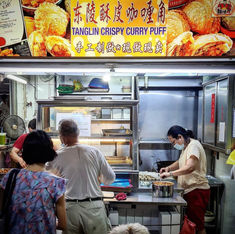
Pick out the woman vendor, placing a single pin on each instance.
(191, 172)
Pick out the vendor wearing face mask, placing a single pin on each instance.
(191, 172)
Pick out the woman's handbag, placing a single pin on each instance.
(4, 217)
(188, 226)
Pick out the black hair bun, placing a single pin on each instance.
(190, 133)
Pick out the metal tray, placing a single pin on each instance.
(117, 132)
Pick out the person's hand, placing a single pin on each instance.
(22, 163)
(165, 175)
(164, 169)
(58, 226)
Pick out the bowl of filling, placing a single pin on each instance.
(30, 6)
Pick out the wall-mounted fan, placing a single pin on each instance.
(14, 126)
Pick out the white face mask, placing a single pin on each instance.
(179, 147)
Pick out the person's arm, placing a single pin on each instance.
(61, 213)
(172, 167)
(16, 158)
(107, 175)
(188, 168)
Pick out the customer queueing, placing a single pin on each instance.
(191, 172)
(38, 196)
(85, 167)
(15, 153)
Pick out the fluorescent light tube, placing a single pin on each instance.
(36, 70)
(16, 78)
(174, 70)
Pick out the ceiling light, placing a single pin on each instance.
(37, 70)
(106, 77)
(16, 78)
(175, 70)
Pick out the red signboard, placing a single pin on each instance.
(212, 108)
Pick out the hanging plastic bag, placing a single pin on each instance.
(188, 226)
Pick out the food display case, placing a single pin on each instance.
(106, 119)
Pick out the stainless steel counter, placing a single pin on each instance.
(6, 147)
(147, 198)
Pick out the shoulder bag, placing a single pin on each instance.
(4, 216)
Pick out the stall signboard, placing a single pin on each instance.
(120, 28)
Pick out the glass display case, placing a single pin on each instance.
(106, 120)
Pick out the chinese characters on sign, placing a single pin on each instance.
(118, 28)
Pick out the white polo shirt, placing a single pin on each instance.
(82, 165)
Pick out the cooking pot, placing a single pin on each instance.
(163, 189)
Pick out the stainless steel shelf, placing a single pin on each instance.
(155, 144)
(95, 136)
(111, 120)
(80, 94)
(124, 170)
(215, 148)
(75, 102)
(148, 198)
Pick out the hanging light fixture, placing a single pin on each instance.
(16, 78)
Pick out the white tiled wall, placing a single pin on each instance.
(35, 89)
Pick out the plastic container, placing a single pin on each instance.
(2, 138)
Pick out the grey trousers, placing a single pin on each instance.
(87, 218)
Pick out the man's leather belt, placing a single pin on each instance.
(86, 199)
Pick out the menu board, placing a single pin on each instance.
(13, 41)
(120, 28)
(83, 122)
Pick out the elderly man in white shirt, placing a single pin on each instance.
(84, 167)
